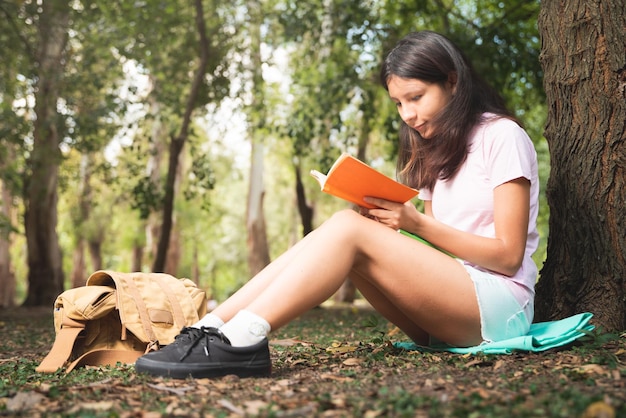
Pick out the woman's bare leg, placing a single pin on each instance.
(409, 282)
(248, 292)
(391, 312)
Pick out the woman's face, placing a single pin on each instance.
(418, 101)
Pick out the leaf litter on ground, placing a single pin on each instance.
(332, 361)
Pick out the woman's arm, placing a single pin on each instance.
(502, 254)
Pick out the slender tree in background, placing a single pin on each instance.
(81, 216)
(584, 58)
(7, 276)
(258, 247)
(177, 142)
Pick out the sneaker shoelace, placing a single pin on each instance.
(191, 336)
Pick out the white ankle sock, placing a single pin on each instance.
(209, 320)
(246, 328)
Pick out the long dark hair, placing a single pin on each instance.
(433, 58)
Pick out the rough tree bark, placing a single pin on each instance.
(45, 273)
(583, 56)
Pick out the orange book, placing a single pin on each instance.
(352, 180)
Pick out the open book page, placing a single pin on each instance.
(352, 180)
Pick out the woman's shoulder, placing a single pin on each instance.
(498, 132)
(494, 122)
(496, 127)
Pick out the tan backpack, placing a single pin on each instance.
(117, 317)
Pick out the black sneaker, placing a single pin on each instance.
(206, 352)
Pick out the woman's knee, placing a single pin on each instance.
(346, 218)
(345, 225)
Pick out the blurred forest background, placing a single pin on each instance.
(177, 136)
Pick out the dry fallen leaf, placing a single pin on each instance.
(476, 362)
(337, 347)
(599, 409)
(255, 407)
(498, 364)
(352, 361)
(288, 342)
(177, 391)
(92, 406)
(591, 368)
(23, 401)
(225, 403)
(330, 376)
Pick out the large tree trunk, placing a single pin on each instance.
(177, 142)
(583, 56)
(45, 274)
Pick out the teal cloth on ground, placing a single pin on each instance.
(541, 336)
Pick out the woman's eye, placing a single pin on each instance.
(416, 98)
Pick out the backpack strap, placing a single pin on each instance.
(105, 357)
(179, 316)
(62, 347)
(134, 292)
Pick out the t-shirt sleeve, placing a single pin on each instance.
(509, 152)
(425, 194)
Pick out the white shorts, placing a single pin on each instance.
(502, 316)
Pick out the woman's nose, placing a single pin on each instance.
(407, 113)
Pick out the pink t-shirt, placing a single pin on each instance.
(499, 151)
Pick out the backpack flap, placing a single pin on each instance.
(72, 309)
(154, 307)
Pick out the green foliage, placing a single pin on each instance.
(147, 197)
(202, 179)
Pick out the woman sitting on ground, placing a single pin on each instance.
(476, 170)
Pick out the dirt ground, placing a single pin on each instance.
(333, 361)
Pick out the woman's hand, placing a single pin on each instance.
(391, 214)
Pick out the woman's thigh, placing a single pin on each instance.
(417, 285)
